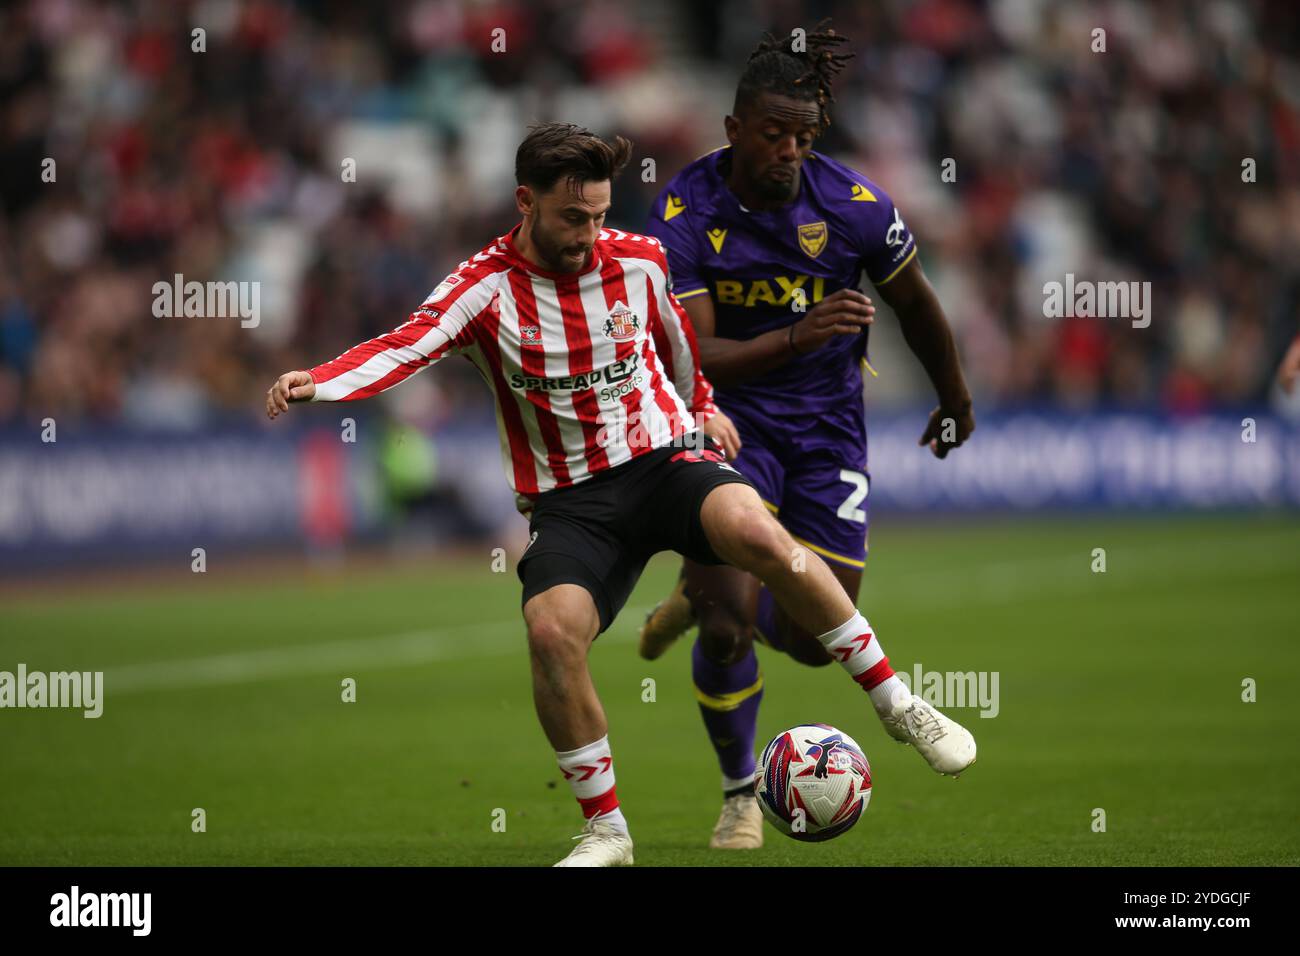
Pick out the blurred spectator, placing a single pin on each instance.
(231, 164)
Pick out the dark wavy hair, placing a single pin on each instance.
(561, 151)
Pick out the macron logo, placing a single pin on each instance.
(102, 909)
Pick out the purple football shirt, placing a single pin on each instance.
(756, 264)
(802, 424)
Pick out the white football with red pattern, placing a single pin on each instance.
(813, 782)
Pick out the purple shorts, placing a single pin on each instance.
(814, 480)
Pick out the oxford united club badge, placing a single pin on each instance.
(812, 238)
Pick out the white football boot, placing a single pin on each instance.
(740, 827)
(946, 745)
(602, 845)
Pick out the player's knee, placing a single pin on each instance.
(557, 634)
(724, 637)
(548, 637)
(760, 541)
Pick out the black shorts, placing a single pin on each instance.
(600, 533)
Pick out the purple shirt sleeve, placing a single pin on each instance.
(888, 244)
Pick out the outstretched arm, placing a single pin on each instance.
(366, 369)
(438, 326)
(928, 335)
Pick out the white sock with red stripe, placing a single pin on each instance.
(590, 772)
(855, 646)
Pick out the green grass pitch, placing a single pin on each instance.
(1120, 691)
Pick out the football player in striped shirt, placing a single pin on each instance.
(611, 442)
(767, 241)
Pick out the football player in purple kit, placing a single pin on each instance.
(767, 242)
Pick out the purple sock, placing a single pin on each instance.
(729, 696)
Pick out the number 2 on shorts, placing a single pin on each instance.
(849, 510)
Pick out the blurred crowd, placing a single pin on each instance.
(347, 156)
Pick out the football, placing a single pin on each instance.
(813, 782)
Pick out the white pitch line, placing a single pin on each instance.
(487, 639)
(342, 656)
(995, 583)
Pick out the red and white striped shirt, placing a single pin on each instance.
(589, 370)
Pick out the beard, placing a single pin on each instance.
(553, 255)
(774, 191)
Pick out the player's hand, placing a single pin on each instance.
(1289, 370)
(846, 312)
(289, 387)
(722, 430)
(948, 428)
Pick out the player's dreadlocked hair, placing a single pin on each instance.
(775, 67)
